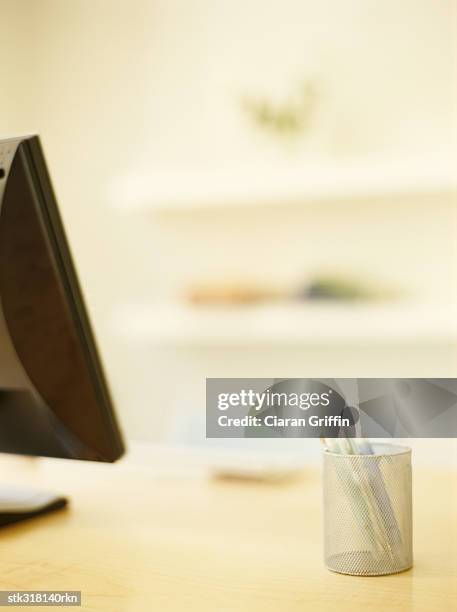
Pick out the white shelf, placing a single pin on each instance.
(166, 189)
(289, 324)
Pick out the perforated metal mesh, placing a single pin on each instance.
(368, 511)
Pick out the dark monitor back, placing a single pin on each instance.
(54, 399)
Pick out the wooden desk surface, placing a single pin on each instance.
(136, 539)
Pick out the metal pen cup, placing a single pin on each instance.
(368, 511)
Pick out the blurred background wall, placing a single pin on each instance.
(220, 164)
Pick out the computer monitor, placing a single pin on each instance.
(54, 398)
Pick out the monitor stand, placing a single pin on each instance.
(20, 504)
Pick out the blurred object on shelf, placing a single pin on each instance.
(339, 288)
(219, 293)
(286, 119)
(262, 460)
(320, 287)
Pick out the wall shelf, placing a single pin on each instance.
(286, 325)
(170, 190)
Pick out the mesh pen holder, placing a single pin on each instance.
(368, 511)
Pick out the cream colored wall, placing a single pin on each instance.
(15, 52)
(115, 87)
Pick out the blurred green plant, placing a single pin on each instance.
(290, 118)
